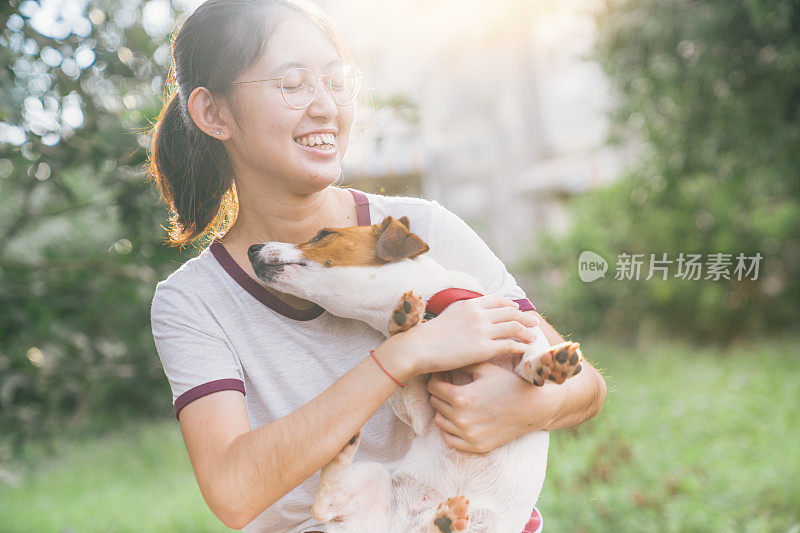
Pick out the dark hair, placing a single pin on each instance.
(216, 43)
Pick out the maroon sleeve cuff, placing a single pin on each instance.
(525, 305)
(205, 389)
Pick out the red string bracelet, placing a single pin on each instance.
(372, 353)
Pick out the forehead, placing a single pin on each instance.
(298, 40)
(354, 246)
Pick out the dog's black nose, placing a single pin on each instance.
(252, 252)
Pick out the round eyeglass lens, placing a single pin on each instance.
(345, 82)
(299, 85)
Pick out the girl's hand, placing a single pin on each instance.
(492, 410)
(467, 332)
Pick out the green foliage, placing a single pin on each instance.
(81, 242)
(708, 92)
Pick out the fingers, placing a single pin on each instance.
(506, 346)
(442, 389)
(513, 329)
(444, 408)
(506, 314)
(446, 425)
(451, 435)
(494, 300)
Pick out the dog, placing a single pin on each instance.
(380, 274)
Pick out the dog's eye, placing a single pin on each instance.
(321, 234)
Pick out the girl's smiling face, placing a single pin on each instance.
(265, 143)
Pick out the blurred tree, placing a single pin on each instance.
(80, 230)
(710, 92)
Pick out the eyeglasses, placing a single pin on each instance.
(299, 85)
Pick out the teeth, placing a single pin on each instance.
(312, 140)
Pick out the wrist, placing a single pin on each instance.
(395, 360)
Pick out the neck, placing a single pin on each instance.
(283, 216)
(375, 301)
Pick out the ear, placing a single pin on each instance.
(404, 221)
(207, 114)
(396, 242)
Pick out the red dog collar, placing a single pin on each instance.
(439, 301)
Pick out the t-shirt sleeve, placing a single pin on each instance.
(456, 246)
(194, 351)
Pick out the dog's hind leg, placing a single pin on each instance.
(452, 516)
(412, 405)
(332, 481)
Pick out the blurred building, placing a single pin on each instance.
(508, 113)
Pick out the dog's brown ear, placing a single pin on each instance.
(396, 242)
(388, 220)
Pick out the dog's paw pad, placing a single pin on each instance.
(452, 515)
(408, 311)
(557, 364)
(560, 362)
(531, 371)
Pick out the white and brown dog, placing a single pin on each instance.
(380, 275)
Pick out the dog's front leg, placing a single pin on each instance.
(557, 364)
(407, 313)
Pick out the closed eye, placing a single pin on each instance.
(322, 233)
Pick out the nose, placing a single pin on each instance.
(323, 103)
(252, 252)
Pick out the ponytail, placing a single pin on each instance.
(192, 172)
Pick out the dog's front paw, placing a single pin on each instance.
(409, 311)
(452, 515)
(557, 364)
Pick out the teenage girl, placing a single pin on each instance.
(268, 387)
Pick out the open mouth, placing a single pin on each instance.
(323, 142)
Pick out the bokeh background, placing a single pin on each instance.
(552, 127)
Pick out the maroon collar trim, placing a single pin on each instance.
(258, 291)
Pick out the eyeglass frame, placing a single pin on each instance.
(317, 80)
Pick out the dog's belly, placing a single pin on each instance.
(502, 485)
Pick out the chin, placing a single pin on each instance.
(323, 176)
(318, 181)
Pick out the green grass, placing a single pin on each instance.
(688, 440)
(136, 479)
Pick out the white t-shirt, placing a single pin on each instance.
(216, 328)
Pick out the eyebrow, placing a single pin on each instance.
(293, 64)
